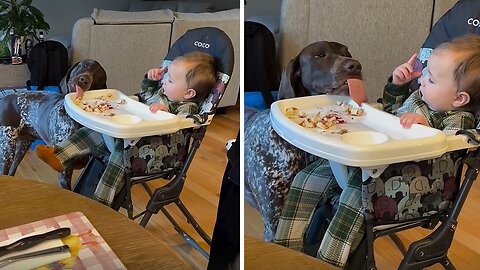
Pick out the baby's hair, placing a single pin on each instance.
(467, 70)
(202, 73)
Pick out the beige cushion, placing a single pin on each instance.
(124, 17)
(181, 6)
(126, 63)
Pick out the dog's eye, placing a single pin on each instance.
(320, 55)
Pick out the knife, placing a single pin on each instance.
(34, 240)
(44, 252)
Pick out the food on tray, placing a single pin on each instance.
(291, 111)
(328, 118)
(101, 104)
(350, 109)
(97, 106)
(104, 97)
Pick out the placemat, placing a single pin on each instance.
(95, 252)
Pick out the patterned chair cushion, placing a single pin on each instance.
(157, 154)
(413, 189)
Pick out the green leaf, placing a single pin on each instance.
(26, 3)
(21, 16)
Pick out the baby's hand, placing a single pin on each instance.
(405, 72)
(154, 107)
(155, 74)
(408, 119)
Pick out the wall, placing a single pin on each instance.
(262, 7)
(226, 4)
(62, 15)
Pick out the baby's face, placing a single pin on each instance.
(175, 84)
(438, 87)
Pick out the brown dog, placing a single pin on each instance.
(31, 115)
(270, 162)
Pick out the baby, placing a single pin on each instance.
(189, 80)
(449, 93)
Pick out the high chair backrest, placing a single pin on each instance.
(216, 43)
(462, 18)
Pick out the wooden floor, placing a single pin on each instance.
(200, 194)
(464, 252)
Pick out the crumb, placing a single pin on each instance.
(342, 131)
(291, 111)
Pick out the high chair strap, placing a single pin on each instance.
(473, 134)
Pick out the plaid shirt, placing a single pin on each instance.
(450, 120)
(153, 93)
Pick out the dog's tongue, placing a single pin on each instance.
(356, 91)
(79, 91)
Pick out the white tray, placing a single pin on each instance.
(132, 119)
(372, 140)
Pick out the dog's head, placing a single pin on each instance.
(83, 76)
(320, 68)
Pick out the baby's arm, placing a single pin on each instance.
(154, 107)
(408, 119)
(405, 72)
(156, 74)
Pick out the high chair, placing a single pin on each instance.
(169, 156)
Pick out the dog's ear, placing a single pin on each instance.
(66, 78)
(290, 75)
(343, 50)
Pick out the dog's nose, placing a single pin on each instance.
(353, 65)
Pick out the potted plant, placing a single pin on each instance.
(21, 17)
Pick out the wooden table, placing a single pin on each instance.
(24, 201)
(13, 76)
(263, 255)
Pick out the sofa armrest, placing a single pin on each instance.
(81, 39)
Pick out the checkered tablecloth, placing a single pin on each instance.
(95, 252)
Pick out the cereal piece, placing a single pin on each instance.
(291, 111)
(321, 125)
(309, 123)
(77, 100)
(342, 131)
(356, 111)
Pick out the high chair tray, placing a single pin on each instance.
(113, 113)
(371, 139)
